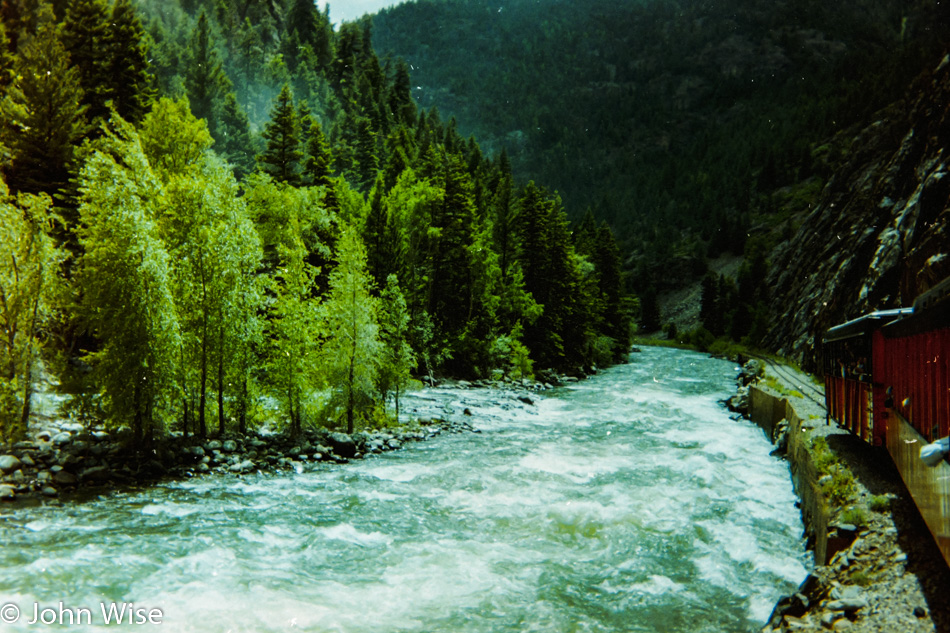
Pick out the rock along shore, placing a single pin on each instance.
(65, 460)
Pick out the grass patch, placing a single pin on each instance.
(836, 480)
(855, 516)
(879, 503)
(773, 384)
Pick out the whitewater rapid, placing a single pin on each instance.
(627, 502)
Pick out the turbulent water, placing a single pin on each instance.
(628, 502)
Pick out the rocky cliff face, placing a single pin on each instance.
(878, 236)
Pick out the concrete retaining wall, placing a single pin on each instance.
(767, 411)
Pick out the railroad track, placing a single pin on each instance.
(808, 390)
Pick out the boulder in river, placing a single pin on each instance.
(342, 444)
(7, 492)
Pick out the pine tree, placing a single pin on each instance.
(451, 298)
(234, 137)
(251, 50)
(303, 21)
(43, 115)
(281, 159)
(205, 80)
(7, 58)
(365, 155)
(317, 169)
(610, 279)
(402, 107)
(86, 39)
(130, 82)
(352, 347)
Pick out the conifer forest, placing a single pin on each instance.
(215, 212)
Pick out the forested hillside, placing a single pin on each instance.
(682, 123)
(205, 203)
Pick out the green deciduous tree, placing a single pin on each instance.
(352, 348)
(174, 141)
(126, 284)
(293, 330)
(215, 250)
(30, 288)
(397, 358)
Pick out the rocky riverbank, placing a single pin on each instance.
(884, 573)
(69, 459)
(65, 460)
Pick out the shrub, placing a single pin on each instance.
(879, 503)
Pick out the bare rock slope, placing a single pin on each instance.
(878, 236)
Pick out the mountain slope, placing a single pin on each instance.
(880, 233)
(673, 119)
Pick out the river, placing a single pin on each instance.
(627, 502)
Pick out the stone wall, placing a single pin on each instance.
(767, 411)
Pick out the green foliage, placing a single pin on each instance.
(30, 291)
(677, 120)
(281, 159)
(293, 330)
(205, 80)
(131, 81)
(43, 114)
(352, 349)
(837, 482)
(198, 295)
(854, 515)
(86, 40)
(234, 142)
(397, 357)
(174, 141)
(126, 283)
(879, 503)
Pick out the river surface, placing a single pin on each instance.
(627, 502)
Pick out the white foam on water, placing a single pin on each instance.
(657, 585)
(170, 509)
(615, 499)
(402, 472)
(348, 533)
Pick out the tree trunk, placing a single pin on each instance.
(221, 382)
(203, 387)
(242, 403)
(185, 421)
(396, 399)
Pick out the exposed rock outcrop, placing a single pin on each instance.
(878, 236)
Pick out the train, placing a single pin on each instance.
(891, 363)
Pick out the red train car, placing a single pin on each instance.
(892, 361)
